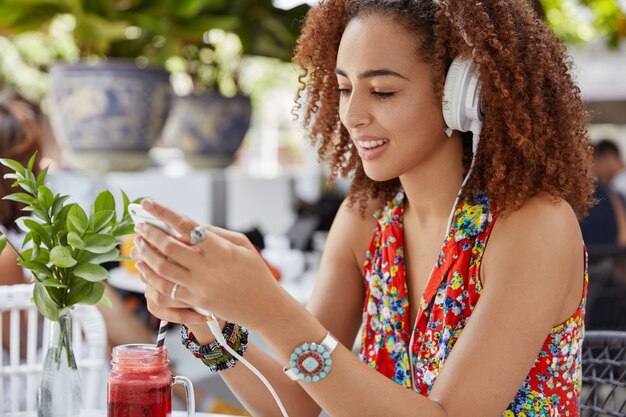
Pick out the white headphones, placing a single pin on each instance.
(462, 109)
(462, 103)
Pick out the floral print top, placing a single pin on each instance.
(552, 387)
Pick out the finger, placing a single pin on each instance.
(238, 239)
(158, 263)
(171, 247)
(172, 314)
(181, 224)
(159, 287)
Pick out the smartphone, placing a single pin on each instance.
(140, 215)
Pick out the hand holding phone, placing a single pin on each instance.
(140, 215)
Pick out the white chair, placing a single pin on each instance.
(22, 372)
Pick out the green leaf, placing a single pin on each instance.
(20, 198)
(35, 252)
(91, 272)
(40, 229)
(45, 196)
(77, 219)
(51, 282)
(62, 257)
(98, 33)
(124, 228)
(45, 304)
(100, 243)
(83, 291)
(75, 241)
(11, 176)
(37, 268)
(28, 238)
(26, 186)
(14, 165)
(38, 212)
(125, 203)
(104, 201)
(95, 294)
(65, 310)
(41, 178)
(31, 162)
(3, 242)
(102, 219)
(31, 179)
(186, 9)
(106, 301)
(110, 256)
(58, 204)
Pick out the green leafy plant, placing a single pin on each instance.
(584, 21)
(156, 31)
(68, 244)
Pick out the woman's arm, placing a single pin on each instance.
(533, 271)
(337, 301)
(533, 265)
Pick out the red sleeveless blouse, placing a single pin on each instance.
(413, 355)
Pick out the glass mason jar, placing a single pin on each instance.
(140, 383)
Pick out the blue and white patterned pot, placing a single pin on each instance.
(108, 115)
(208, 127)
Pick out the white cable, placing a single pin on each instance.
(214, 326)
(475, 140)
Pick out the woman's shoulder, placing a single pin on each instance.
(536, 252)
(354, 225)
(361, 216)
(543, 231)
(544, 212)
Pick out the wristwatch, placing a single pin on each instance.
(311, 362)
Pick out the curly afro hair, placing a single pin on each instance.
(534, 137)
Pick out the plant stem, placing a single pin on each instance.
(11, 245)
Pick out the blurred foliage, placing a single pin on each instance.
(182, 34)
(585, 21)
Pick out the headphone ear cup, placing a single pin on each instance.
(452, 95)
(461, 97)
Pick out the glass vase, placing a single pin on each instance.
(60, 390)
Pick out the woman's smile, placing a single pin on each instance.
(371, 147)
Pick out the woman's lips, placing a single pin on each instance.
(371, 147)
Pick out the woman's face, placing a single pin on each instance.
(387, 102)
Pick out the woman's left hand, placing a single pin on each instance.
(223, 273)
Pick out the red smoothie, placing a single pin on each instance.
(140, 383)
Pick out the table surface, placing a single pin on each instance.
(103, 413)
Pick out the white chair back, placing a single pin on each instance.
(22, 372)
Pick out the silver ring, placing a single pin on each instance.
(174, 291)
(197, 235)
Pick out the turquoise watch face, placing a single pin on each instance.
(311, 362)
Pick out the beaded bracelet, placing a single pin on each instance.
(213, 355)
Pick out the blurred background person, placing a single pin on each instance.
(606, 223)
(609, 166)
(604, 232)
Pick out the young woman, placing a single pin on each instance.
(487, 323)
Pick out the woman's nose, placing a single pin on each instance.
(355, 113)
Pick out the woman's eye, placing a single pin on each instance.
(384, 94)
(343, 91)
